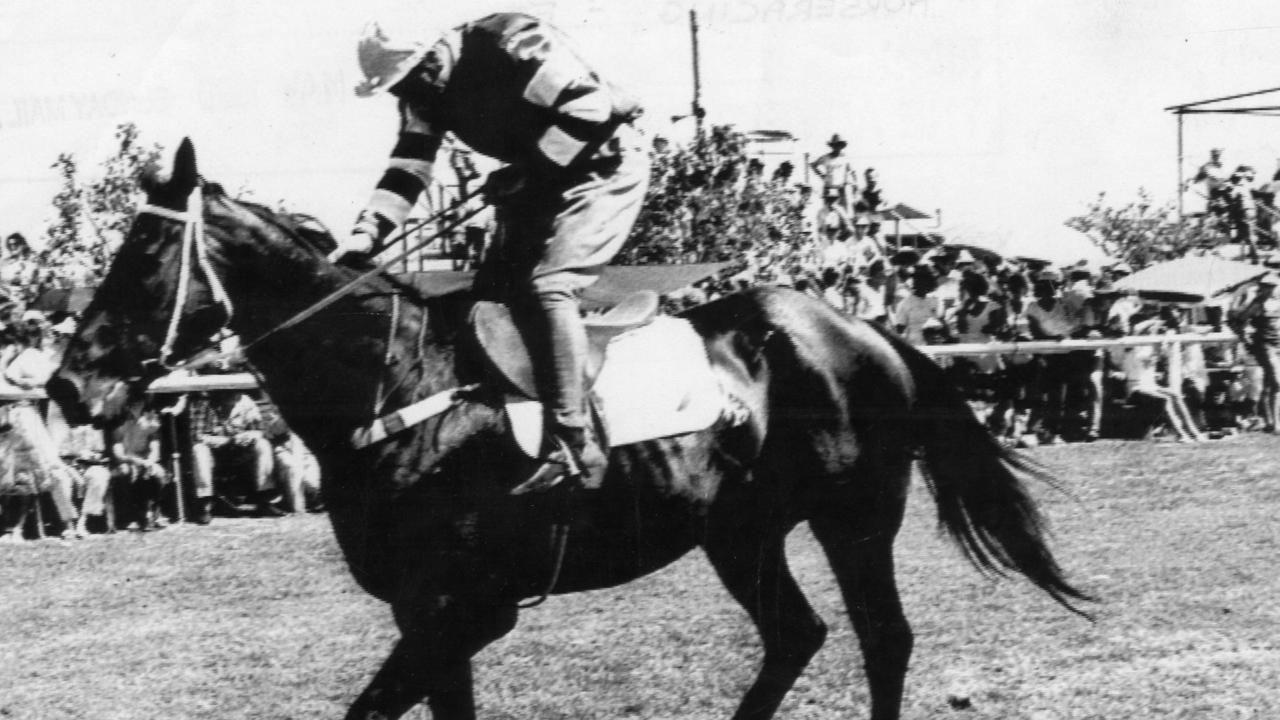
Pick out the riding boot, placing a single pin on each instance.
(561, 377)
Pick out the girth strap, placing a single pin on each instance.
(408, 416)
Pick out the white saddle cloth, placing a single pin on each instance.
(656, 382)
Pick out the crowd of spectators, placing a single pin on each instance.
(1238, 205)
(73, 482)
(832, 248)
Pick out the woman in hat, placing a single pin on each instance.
(916, 311)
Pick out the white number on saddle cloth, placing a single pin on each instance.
(656, 382)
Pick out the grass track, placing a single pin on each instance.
(258, 619)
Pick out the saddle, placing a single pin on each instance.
(504, 346)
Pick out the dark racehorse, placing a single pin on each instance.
(840, 410)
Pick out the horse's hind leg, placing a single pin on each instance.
(753, 566)
(857, 536)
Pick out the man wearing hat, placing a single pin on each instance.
(1242, 209)
(1258, 325)
(511, 87)
(1214, 177)
(837, 173)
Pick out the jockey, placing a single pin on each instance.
(510, 87)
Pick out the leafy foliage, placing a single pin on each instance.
(1142, 233)
(92, 218)
(708, 204)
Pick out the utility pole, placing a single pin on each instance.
(1181, 189)
(698, 112)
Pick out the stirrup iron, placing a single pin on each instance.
(561, 463)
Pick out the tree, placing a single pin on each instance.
(1141, 233)
(69, 202)
(701, 208)
(93, 218)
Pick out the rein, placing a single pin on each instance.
(194, 242)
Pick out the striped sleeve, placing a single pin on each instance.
(561, 82)
(408, 172)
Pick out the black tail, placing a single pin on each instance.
(978, 486)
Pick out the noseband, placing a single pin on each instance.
(194, 245)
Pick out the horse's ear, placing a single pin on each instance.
(185, 176)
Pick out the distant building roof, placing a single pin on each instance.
(905, 212)
(769, 136)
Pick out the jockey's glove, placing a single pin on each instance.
(361, 242)
(357, 244)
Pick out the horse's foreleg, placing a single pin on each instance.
(753, 566)
(858, 541)
(432, 661)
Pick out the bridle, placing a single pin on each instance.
(194, 245)
(195, 255)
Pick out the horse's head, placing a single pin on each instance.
(154, 305)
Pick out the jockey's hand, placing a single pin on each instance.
(358, 244)
(502, 184)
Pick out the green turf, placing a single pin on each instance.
(258, 619)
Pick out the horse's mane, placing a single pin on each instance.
(298, 226)
(308, 233)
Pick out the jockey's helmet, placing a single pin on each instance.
(385, 61)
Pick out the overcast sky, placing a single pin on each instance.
(996, 111)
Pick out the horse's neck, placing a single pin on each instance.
(331, 372)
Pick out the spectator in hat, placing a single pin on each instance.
(871, 203)
(833, 225)
(1265, 197)
(919, 308)
(837, 173)
(1242, 209)
(35, 451)
(1213, 176)
(782, 173)
(1257, 323)
(18, 266)
(1144, 389)
(1049, 319)
(979, 320)
(1119, 271)
(869, 290)
(948, 278)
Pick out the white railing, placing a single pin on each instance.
(1172, 345)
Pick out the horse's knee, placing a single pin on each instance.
(794, 643)
(808, 639)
